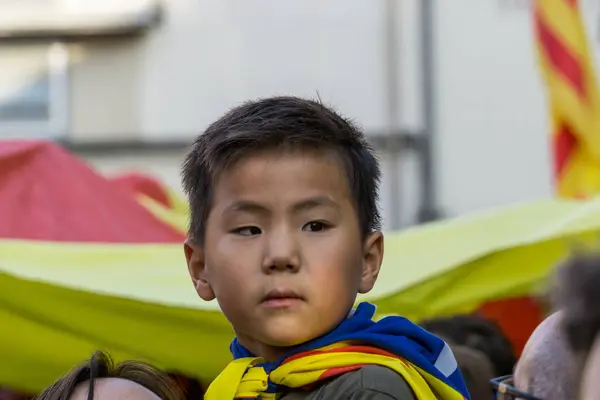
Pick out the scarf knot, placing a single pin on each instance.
(251, 380)
(253, 383)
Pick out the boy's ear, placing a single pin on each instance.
(194, 256)
(372, 259)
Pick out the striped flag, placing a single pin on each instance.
(568, 71)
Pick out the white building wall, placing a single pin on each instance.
(492, 144)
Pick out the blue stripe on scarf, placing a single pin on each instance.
(394, 334)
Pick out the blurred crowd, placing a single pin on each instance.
(562, 356)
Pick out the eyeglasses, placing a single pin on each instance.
(504, 389)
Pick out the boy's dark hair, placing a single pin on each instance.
(576, 293)
(102, 366)
(477, 333)
(287, 124)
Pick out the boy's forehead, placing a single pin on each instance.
(275, 155)
(302, 168)
(284, 175)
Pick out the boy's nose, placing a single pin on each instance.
(282, 254)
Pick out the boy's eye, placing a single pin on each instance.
(315, 226)
(248, 231)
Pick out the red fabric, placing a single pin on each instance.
(517, 317)
(138, 183)
(564, 145)
(48, 194)
(331, 372)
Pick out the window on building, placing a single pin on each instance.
(34, 91)
(31, 102)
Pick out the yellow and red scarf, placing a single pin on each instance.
(244, 378)
(424, 361)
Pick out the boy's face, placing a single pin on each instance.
(283, 252)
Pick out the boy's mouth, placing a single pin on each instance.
(281, 298)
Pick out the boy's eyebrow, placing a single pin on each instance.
(315, 202)
(304, 205)
(246, 206)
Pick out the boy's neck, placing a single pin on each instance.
(266, 352)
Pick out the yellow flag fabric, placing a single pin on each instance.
(569, 74)
(61, 301)
(167, 205)
(176, 216)
(48, 327)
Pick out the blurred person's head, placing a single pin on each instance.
(476, 369)
(588, 386)
(100, 379)
(478, 333)
(285, 227)
(193, 388)
(576, 291)
(545, 367)
(10, 394)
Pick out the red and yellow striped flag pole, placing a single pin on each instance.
(568, 71)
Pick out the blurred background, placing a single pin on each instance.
(449, 92)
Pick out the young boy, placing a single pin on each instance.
(284, 233)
